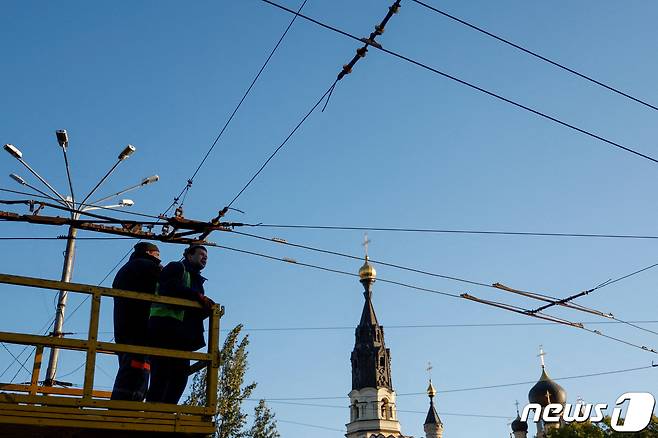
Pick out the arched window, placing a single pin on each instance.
(355, 410)
(385, 409)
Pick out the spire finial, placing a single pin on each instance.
(367, 272)
(541, 356)
(431, 391)
(517, 408)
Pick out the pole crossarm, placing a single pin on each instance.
(130, 228)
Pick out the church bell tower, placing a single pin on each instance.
(372, 399)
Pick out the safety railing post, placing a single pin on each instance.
(92, 340)
(36, 369)
(212, 371)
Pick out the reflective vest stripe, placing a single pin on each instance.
(169, 311)
(140, 365)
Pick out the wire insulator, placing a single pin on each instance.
(362, 52)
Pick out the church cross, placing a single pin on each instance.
(541, 355)
(429, 369)
(366, 242)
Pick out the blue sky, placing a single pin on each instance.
(396, 147)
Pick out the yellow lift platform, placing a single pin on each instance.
(32, 410)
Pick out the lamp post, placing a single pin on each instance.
(76, 210)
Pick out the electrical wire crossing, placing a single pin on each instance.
(190, 181)
(550, 300)
(535, 54)
(466, 296)
(475, 87)
(478, 388)
(454, 231)
(347, 69)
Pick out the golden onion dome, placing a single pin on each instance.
(367, 271)
(431, 391)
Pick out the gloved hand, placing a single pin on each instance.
(206, 303)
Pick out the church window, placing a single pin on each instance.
(385, 410)
(355, 410)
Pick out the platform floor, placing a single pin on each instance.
(37, 421)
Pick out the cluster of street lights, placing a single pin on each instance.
(76, 209)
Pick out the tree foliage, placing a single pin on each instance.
(232, 392)
(264, 423)
(602, 430)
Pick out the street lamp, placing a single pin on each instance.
(125, 153)
(123, 203)
(16, 153)
(76, 210)
(146, 181)
(63, 140)
(22, 182)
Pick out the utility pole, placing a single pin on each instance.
(75, 209)
(67, 273)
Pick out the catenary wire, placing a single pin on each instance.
(556, 300)
(473, 86)
(474, 388)
(406, 326)
(72, 210)
(276, 151)
(14, 356)
(517, 310)
(398, 410)
(47, 326)
(322, 268)
(66, 237)
(535, 54)
(315, 426)
(353, 257)
(237, 107)
(449, 231)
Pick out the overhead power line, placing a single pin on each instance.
(346, 70)
(473, 86)
(454, 231)
(474, 388)
(535, 54)
(69, 209)
(237, 107)
(316, 405)
(314, 426)
(65, 238)
(509, 307)
(322, 268)
(426, 326)
(276, 151)
(353, 257)
(566, 302)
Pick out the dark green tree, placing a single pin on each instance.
(602, 430)
(231, 389)
(264, 423)
(577, 430)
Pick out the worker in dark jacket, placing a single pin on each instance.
(140, 274)
(176, 327)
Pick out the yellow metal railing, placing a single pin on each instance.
(87, 397)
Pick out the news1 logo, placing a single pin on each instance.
(638, 412)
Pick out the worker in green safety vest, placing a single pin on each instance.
(177, 327)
